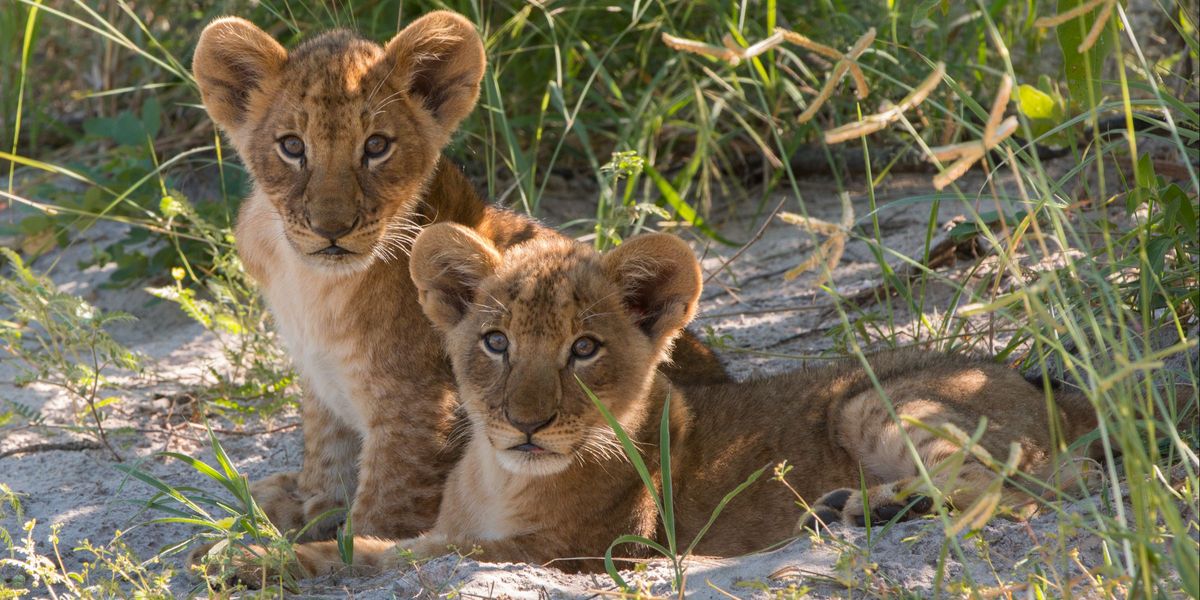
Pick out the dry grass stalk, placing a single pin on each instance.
(829, 253)
(966, 154)
(846, 63)
(730, 51)
(685, 45)
(889, 112)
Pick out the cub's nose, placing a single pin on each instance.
(331, 229)
(531, 427)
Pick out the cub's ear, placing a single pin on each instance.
(234, 60)
(447, 263)
(441, 58)
(661, 282)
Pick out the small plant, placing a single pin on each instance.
(617, 213)
(227, 304)
(112, 572)
(229, 525)
(60, 340)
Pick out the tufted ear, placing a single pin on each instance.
(441, 58)
(234, 61)
(661, 282)
(447, 263)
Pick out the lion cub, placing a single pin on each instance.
(344, 139)
(544, 478)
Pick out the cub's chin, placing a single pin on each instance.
(532, 464)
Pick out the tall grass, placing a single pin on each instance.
(1089, 267)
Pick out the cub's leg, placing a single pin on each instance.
(404, 463)
(292, 500)
(894, 487)
(328, 476)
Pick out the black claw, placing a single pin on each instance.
(836, 499)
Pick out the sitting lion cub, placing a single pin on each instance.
(544, 478)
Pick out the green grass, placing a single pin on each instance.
(98, 95)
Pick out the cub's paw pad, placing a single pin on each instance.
(820, 518)
(836, 499)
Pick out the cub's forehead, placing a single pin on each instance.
(336, 63)
(547, 285)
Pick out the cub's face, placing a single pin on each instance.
(341, 134)
(524, 330)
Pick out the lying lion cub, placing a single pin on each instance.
(543, 477)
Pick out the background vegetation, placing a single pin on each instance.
(100, 120)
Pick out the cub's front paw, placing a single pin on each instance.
(430, 545)
(323, 513)
(279, 497)
(291, 508)
(883, 504)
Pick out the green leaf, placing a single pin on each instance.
(1156, 253)
(685, 210)
(1182, 209)
(151, 117)
(668, 493)
(1083, 71)
(631, 451)
(1034, 103)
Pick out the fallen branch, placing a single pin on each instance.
(76, 446)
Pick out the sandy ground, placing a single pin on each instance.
(762, 319)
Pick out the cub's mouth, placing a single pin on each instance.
(333, 250)
(531, 448)
(531, 456)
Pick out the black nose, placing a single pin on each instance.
(332, 230)
(530, 428)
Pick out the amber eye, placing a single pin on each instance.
(292, 146)
(584, 347)
(495, 342)
(376, 146)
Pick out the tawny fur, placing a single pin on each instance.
(578, 494)
(379, 397)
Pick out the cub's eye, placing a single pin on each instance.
(291, 146)
(584, 347)
(376, 146)
(495, 342)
